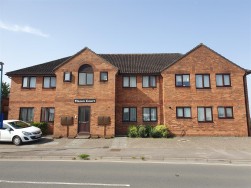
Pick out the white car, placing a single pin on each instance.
(17, 131)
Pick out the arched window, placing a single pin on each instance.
(85, 75)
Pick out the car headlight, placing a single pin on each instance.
(26, 133)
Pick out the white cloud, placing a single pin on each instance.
(25, 29)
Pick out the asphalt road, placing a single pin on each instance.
(65, 174)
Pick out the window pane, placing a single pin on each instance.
(53, 81)
(23, 114)
(30, 114)
(153, 114)
(133, 81)
(229, 112)
(145, 81)
(89, 78)
(219, 80)
(209, 114)
(152, 81)
(126, 81)
(221, 112)
(199, 81)
(126, 114)
(51, 114)
(226, 80)
(180, 112)
(201, 115)
(178, 80)
(104, 76)
(133, 114)
(43, 114)
(146, 114)
(46, 82)
(32, 82)
(25, 82)
(67, 76)
(186, 81)
(187, 112)
(206, 81)
(82, 78)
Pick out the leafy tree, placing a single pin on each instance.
(5, 89)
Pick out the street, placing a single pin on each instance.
(65, 174)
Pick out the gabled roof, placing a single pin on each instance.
(41, 69)
(126, 63)
(141, 63)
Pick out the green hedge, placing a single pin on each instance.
(159, 131)
(42, 125)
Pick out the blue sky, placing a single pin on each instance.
(36, 31)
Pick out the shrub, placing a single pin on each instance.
(160, 131)
(133, 131)
(142, 131)
(148, 130)
(42, 125)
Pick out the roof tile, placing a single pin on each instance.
(126, 63)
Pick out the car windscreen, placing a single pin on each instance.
(19, 124)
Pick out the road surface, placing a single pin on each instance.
(76, 174)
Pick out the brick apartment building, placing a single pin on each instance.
(198, 93)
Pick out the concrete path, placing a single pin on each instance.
(196, 149)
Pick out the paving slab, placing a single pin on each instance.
(197, 149)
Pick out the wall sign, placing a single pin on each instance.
(84, 100)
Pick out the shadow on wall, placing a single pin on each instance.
(5, 107)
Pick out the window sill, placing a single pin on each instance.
(184, 118)
(149, 87)
(49, 88)
(223, 86)
(204, 88)
(225, 117)
(150, 121)
(183, 86)
(28, 88)
(86, 85)
(205, 122)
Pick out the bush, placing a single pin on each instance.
(133, 131)
(148, 130)
(160, 131)
(142, 131)
(42, 125)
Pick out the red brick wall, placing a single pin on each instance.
(37, 98)
(103, 92)
(203, 60)
(137, 97)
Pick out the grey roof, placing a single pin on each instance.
(126, 63)
(141, 63)
(41, 69)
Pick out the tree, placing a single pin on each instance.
(5, 89)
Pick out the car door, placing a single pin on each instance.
(6, 133)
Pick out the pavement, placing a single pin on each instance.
(179, 149)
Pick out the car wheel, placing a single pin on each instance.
(17, 140)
